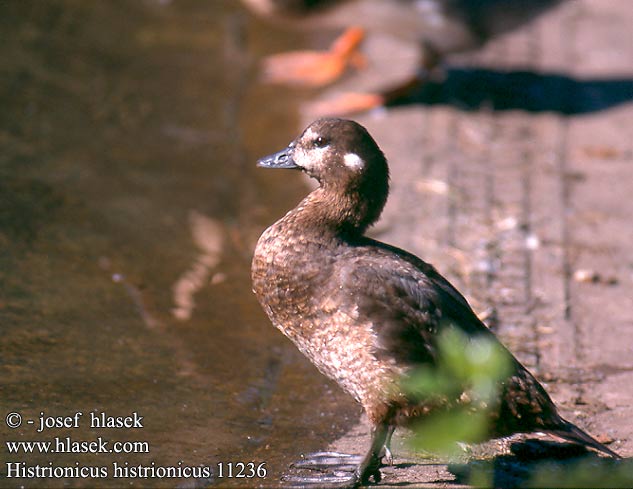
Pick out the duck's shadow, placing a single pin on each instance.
(537, 463)
(473, 88)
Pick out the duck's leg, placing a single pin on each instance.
(315, 68)
(340, 470)
(370, 466)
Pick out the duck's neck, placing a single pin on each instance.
(339, 214)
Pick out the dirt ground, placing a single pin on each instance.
(516, 186)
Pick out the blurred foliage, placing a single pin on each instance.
(460, 390)
(460, 393)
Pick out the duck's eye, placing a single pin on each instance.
(320, 142)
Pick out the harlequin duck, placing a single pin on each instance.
(439, 27)
(364, 312)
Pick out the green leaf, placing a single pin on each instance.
(458, 390)
(439, 432)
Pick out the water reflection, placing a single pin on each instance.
(129, 206)
(208, 235)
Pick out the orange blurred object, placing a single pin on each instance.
(316, 68)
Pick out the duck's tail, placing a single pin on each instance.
(571, 432)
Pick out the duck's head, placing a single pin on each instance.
(348, 164)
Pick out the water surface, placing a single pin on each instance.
(129, 207)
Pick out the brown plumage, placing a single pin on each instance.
(364, 312)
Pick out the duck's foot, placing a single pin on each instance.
(331, 470)
(340, 470)
(328, 461)
(315, 68)
(333, 480)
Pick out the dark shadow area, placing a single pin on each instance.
(538, 463)
(471, 89)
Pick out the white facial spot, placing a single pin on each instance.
(353, 161)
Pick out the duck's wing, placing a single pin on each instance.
(406, 300)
